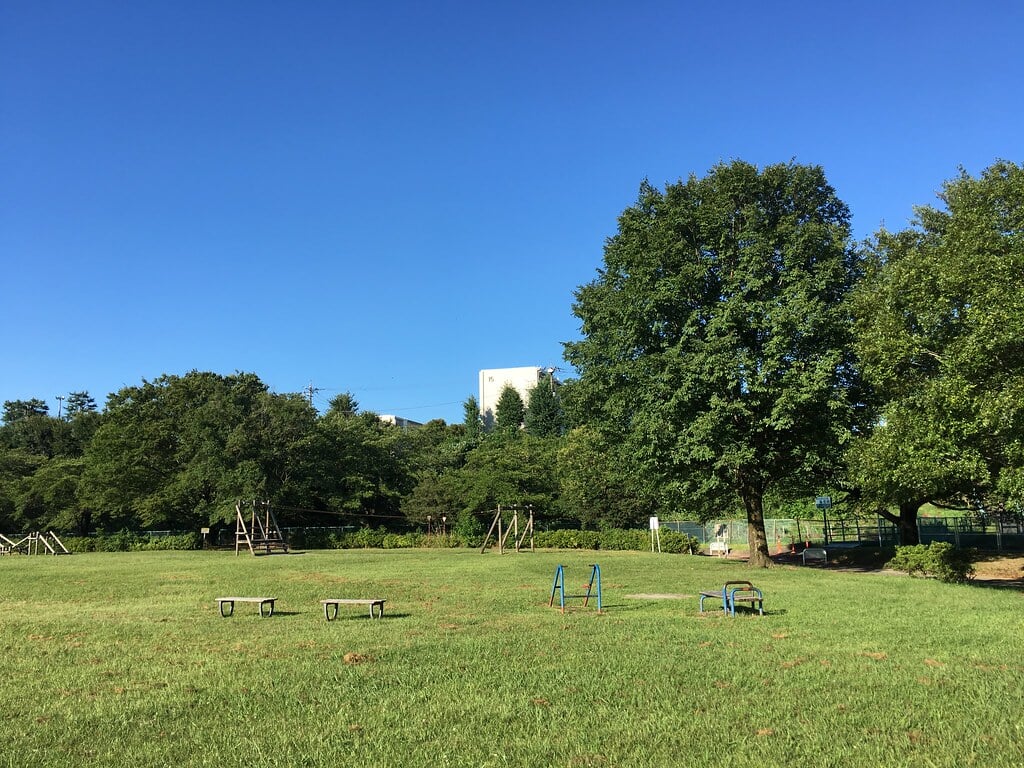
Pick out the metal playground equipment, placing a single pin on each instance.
(592, 588)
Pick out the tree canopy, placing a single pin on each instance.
(715, 338)
(544, 416)
(940, 337)
(510, 411)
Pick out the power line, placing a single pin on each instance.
(339, 514)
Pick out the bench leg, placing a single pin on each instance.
(380, 610)
(270, 604)
(231, 607)
(327, 611)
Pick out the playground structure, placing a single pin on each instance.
(735, 592)
(512, 528)
(257, 526)
(592, 587)
(35, 543)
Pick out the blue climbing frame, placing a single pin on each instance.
(592, 587)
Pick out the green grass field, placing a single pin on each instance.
(123, 660)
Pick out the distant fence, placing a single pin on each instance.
(958, 531)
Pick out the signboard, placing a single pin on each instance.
(655, 524)
(823, 502)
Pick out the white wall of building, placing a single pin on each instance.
(494, 380)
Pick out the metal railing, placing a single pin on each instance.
(781, 532)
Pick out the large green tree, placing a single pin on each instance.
(79, 402)
(510, 468)
(16, 410)
(178, 451)
(354, 465)
(940, 336)
(716, 340)
(471, 419)
(596, 485)
(509, 410)
(544, 416)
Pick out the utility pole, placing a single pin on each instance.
(60, 404)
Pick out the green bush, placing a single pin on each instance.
(938, 560)
(678, 543)
(128, 541)
(635, 539)
(567, 539)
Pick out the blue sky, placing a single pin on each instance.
(384, 198)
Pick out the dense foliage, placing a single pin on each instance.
(938, 560)
(715, 340)
(940, 337)
(738, 355)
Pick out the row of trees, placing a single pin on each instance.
(177, 452)
(738, 352)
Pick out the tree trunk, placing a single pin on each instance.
(757, 540)
(906, 522)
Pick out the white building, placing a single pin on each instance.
(398, 421)
(494, 380)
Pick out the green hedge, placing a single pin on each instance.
(938, 560)
(617, 539)
(128, 541)
(370, 538)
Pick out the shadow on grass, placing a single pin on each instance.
(1007, 584)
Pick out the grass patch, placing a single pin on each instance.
(122, 659)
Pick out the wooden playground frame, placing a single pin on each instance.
(30, 544)
(261, 531)
(512, 528)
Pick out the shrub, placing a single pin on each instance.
(632, 539)
(129, 541)
(678, 543)
(938, 560)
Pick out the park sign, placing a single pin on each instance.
(823, 502)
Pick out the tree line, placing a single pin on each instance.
(739, 354)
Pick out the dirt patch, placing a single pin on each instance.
(994, 568)
(991, 569)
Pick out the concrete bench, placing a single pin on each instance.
(815, 554)
(334, 602)
(230, 603)
(735, 592)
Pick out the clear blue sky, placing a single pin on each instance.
(384, 198)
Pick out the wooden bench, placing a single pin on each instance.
(819, 554)
(334, 602)
(735, 592)
(230, 602)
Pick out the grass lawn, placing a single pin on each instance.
(123, 660)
